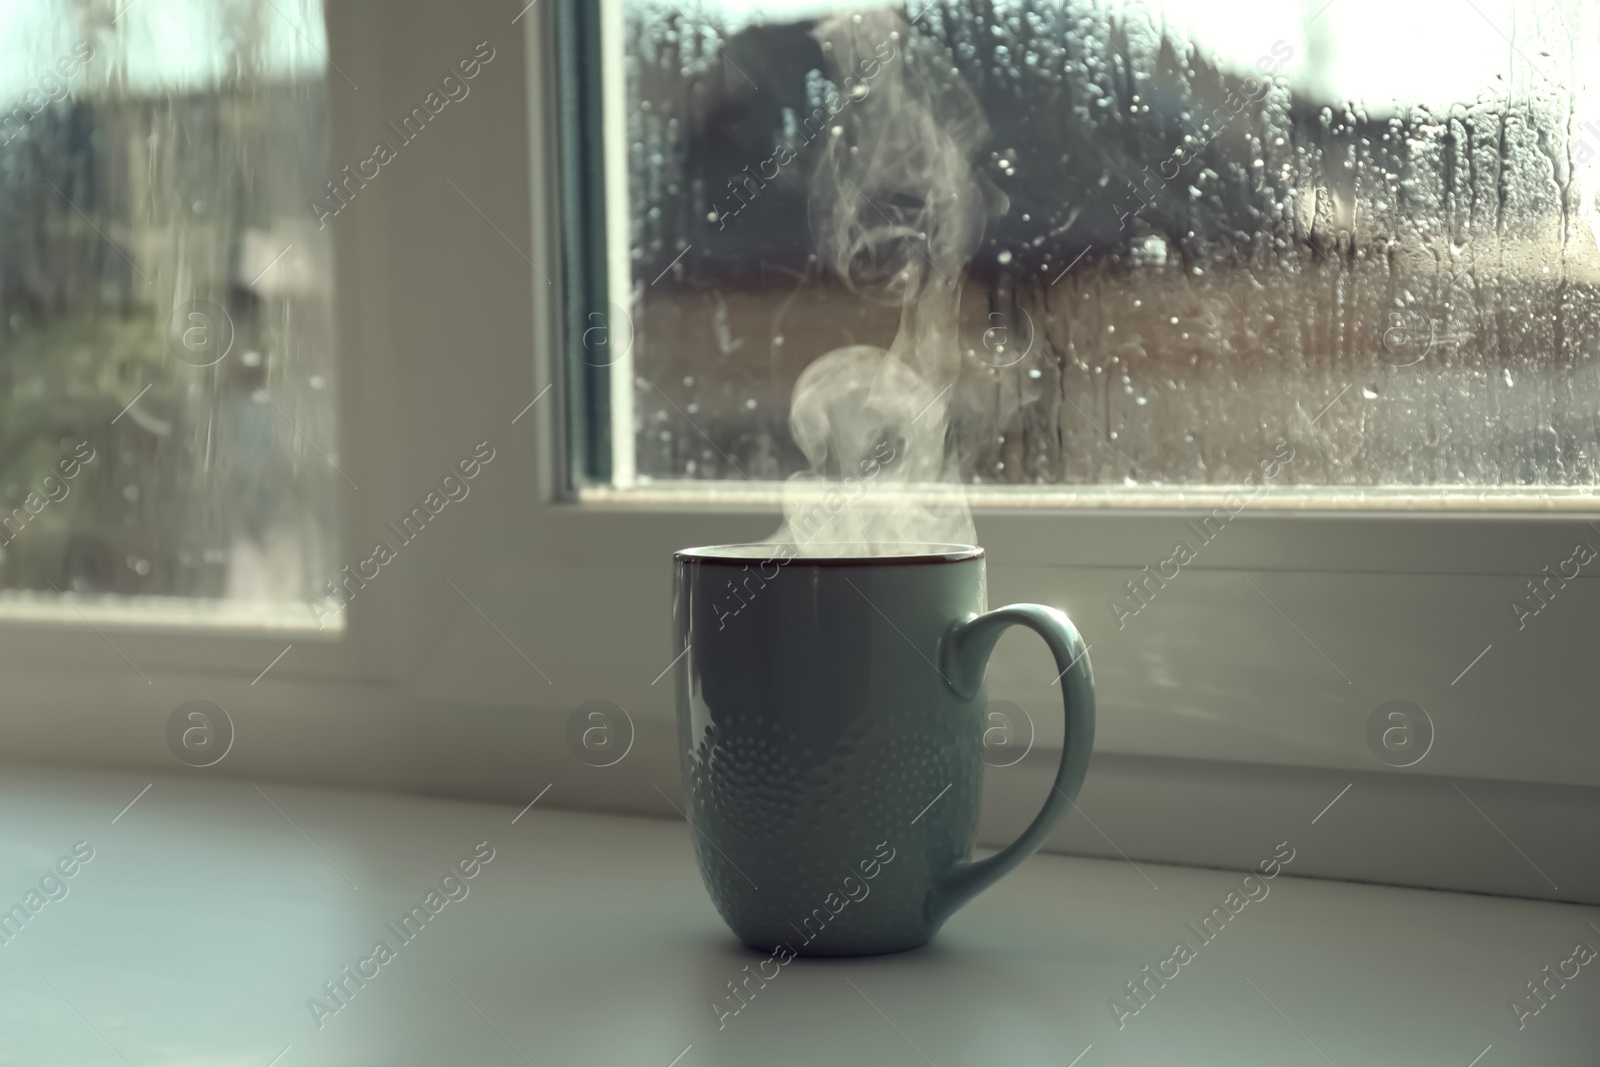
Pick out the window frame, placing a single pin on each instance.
(1292, 536)
(1305, 535)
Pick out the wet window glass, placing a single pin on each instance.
(166, 334)
(1133, 248)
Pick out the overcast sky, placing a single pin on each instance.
(1377, 51)
(160, 43)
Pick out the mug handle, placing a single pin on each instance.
(964, 656)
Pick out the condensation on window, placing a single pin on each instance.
(1226, 228)
(166, 336)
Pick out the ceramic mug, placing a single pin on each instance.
(830, 726)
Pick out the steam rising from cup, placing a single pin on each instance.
(897, 209)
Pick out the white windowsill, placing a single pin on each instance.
(589, 939)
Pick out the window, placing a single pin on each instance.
(1132, 252)
(511, 280)
(166, 334)
(1231, 254)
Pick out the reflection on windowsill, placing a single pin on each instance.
(167, 613)
(764, 495)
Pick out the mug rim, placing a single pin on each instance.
(721, 554)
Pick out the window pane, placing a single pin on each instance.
(1202, 229)
(166, 361)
